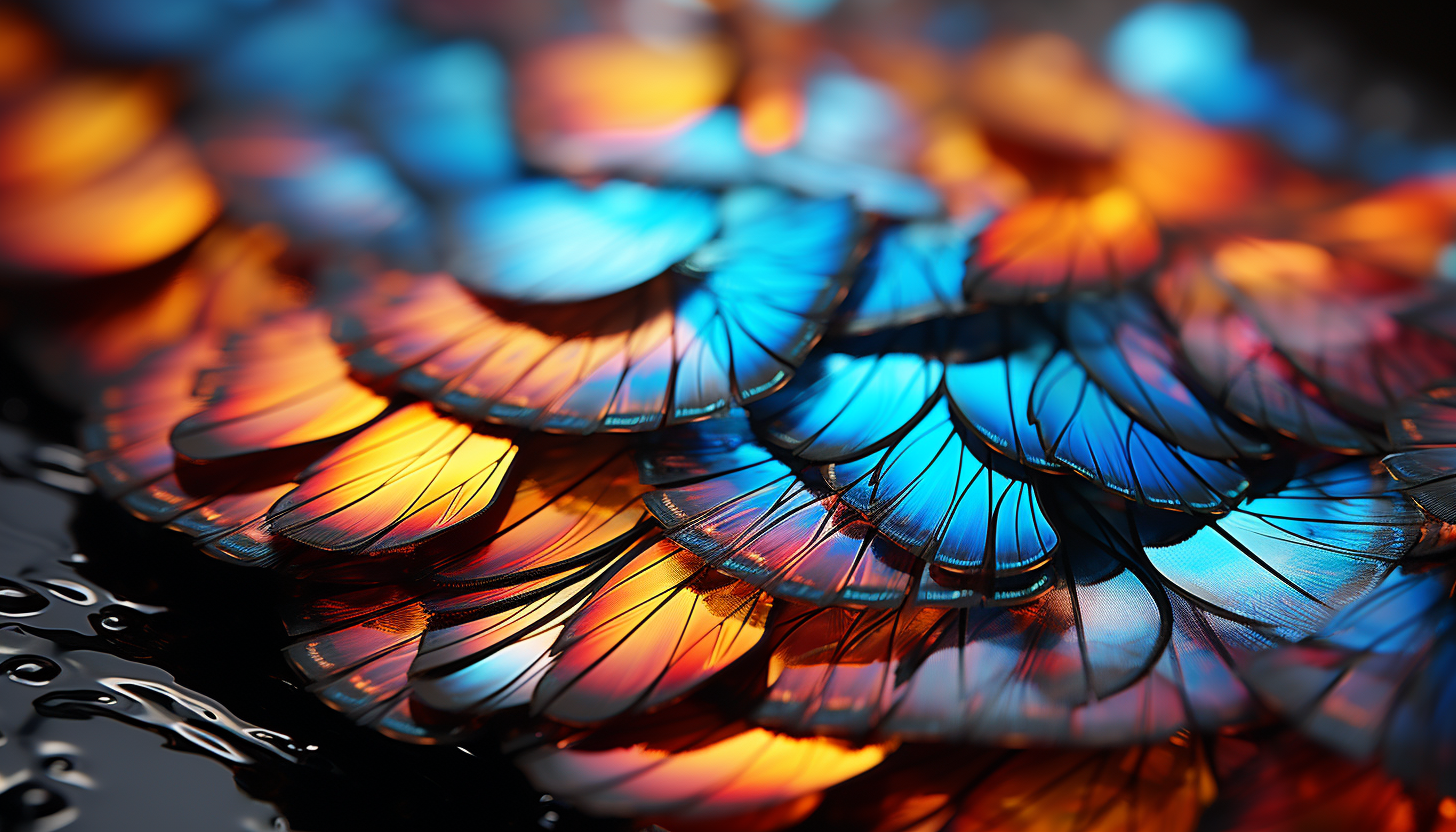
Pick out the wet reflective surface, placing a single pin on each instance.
(184, 716)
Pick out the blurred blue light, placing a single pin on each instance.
(1385, 157)
(149, 29)
(1309, 132)
(308, 56)
(798, 9)
(444, 116)
(1196, 55)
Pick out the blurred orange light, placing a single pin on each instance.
(616, 83)
(133, 215)
(1041, 89)
(772, 117)
(75, 128)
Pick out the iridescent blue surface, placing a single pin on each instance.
(553, 241)
(1082, 428)
(913, 273)
(938, 495)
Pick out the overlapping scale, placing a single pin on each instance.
(469, 631)
(1288, 559)
(279, 385)
(1108, 656)
(551, 241)
(574, 501)
(323, 184)
(855, 397)
(358, 650)
(697, 776)
(1129, 354)
(1338, 321)
(1241, 365)
(1375, 678)
(129, 452)
(1427, 476)
(1083, 429)
(135, 389)
(662, 624)
(744, 510)
(914, 272)
(428, 650)
(623, 632)
(1052, 246)
(127, 436)
(997, 676)
(1164, 786)
(411, 476)
(920, 535)
(728, 326)
(766, 526)
(992, 397)
(485, 650)
(944, 499)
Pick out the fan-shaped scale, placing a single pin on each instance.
(552, 241)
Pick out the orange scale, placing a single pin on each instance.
(486, 649)
(280, 385)
(511, 355)
(572, 500)
(749, 771)
(663, 625)
(564, 366)
(134, 214)
(126, 429)
(361, 669)
(75, 128)
(601, 365)
(1055, 245)
(404, 480)
(231, 526)
(1166, 786)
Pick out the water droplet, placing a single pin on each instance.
(35, 796)
(113, 623)
(30, 670)
(70, 591)
(17, 600)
